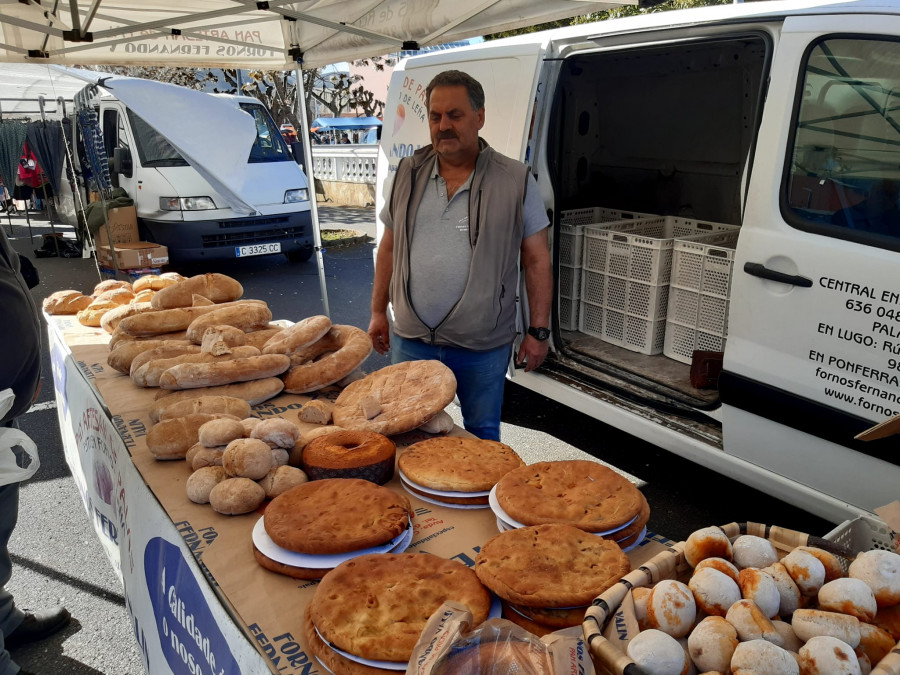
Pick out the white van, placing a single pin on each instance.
(772, 129)
(175, 203)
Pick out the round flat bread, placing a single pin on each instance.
(550, 566)
(634, 528)
(396, 399)
(578, 492)
(463, 501)
(337, 664)
(531, 626)
(458, 464)
(375, 606)
(336, 515)
(287, 570)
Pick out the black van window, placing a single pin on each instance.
(843, 178)
(268, 146)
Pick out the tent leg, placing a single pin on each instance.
(313, 208)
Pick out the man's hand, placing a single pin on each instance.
(532, 353)
(380, 333)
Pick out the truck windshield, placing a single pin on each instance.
(153, 148)
(269, 146)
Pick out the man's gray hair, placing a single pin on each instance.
(457, 78)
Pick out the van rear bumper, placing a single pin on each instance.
(218, 239)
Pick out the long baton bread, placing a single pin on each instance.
(229, 405)
(164, 351)
(118, 337)
(253, 392)
(149, 374)
(244, 317)
(111, 319)
(216, 287)
(169, 320)
(298, 336)
(191, 375)
(124, 353)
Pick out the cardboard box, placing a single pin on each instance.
(136, 254)
(122, 226)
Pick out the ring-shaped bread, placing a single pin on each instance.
(337, 354)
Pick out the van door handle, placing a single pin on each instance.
(760, 270)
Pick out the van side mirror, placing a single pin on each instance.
(121, 162)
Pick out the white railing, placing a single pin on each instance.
(345, 163)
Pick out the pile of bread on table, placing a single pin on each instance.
(745, 609)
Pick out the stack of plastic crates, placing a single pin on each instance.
(625, 278)
(697, 317)
(571, 236)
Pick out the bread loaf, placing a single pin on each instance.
(109, 285)
(277, 432)
(66, 302)
(229, 405)
(118, 337)
(164, 351)
(192, 375)
(671, 608)
(253, 392)
(258, 338)
(759, 587)
(200, 301)
(252, 316)
(171, 439)
(298, 336)
(118, 296)
(150, 374)
(247, 458)
(93, 313)
(111, 319)
(317, 411)
(787, 590)
(720, 564)
(218, 340)
(124, 353)
(806, 570)
(207, 457)
(220, 432)
(168, 320)
(152, 282)
(849, 596)
(216, 287)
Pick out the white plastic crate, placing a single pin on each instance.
(863, 533)
(597, 214)
(568, 313)
(569, 282)
(570, 244)
(704, 266)
(680, 341)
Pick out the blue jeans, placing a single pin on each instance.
(480, 377)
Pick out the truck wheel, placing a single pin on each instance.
(300, 256)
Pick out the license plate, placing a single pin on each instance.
(257, 249)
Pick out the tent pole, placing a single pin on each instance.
(311, 182)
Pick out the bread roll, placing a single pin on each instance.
(759, 587)
(220, 432)
(787, 589)
(806, 570)
(671, 608)
(277, 431)
(253, 392)
(657, 653)
(281, 479)
(192, 375)
(641, 596)
(235, 496)
(789, 638)
(206, 457)
(708, 542)
(832, 565)
(888, 618)
(760, 657)
(171, 439)
(865, 665)
(752, 551)
(810, 623)
(875, 642)
(849, 596)
(720, 564)
(317, 411)
(280, 457)
(751, 624)
(245, 317)
(249, 425)
(712, 643)
(826, 655)
(714, 592)
(216, 287)
(66, 302)
(201, 482)
(229, 405)
(193, 450)
(247, 458)
(881, 572)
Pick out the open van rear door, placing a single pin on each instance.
(813, 353)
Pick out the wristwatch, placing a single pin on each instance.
(539, 333)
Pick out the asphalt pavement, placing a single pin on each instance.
(57, 557)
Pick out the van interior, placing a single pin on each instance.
(666, 130)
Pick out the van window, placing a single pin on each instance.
(843, 177)
(153, 148)
(269, 146)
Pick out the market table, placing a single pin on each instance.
(198, 600)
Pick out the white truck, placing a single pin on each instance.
(210, 175)
(774, 126)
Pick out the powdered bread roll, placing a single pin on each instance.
(759, 587)
(720, 564)
(671, 608)
(752, 551)
(832, 565)
(889, 619)
(171, 439)
(806, 570)
(713, 591)
(825, 655)
(875, 642)
(441, 423)
(809, 623)
(789, 638)
(712, 643)
(216, 287)
(657, 653)
(759, 657)
(207, 457)
(317, 411)
(247, 458)
(235, 496)
(865, 665)
(881, 572)
(201, 482)
(849, 596)
(205, 404)
(787, 589)
(751, 624)
(281, 479)
(278, 431)
(220, 432)
(66, 302)
(708, 542)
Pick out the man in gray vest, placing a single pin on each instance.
(459, 217)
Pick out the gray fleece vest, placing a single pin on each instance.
(485, 316)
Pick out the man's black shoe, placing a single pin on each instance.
(36, 626)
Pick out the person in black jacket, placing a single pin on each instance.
(20, 370)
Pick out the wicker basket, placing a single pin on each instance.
(671, 564)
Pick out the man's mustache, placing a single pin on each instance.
(445, 135)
